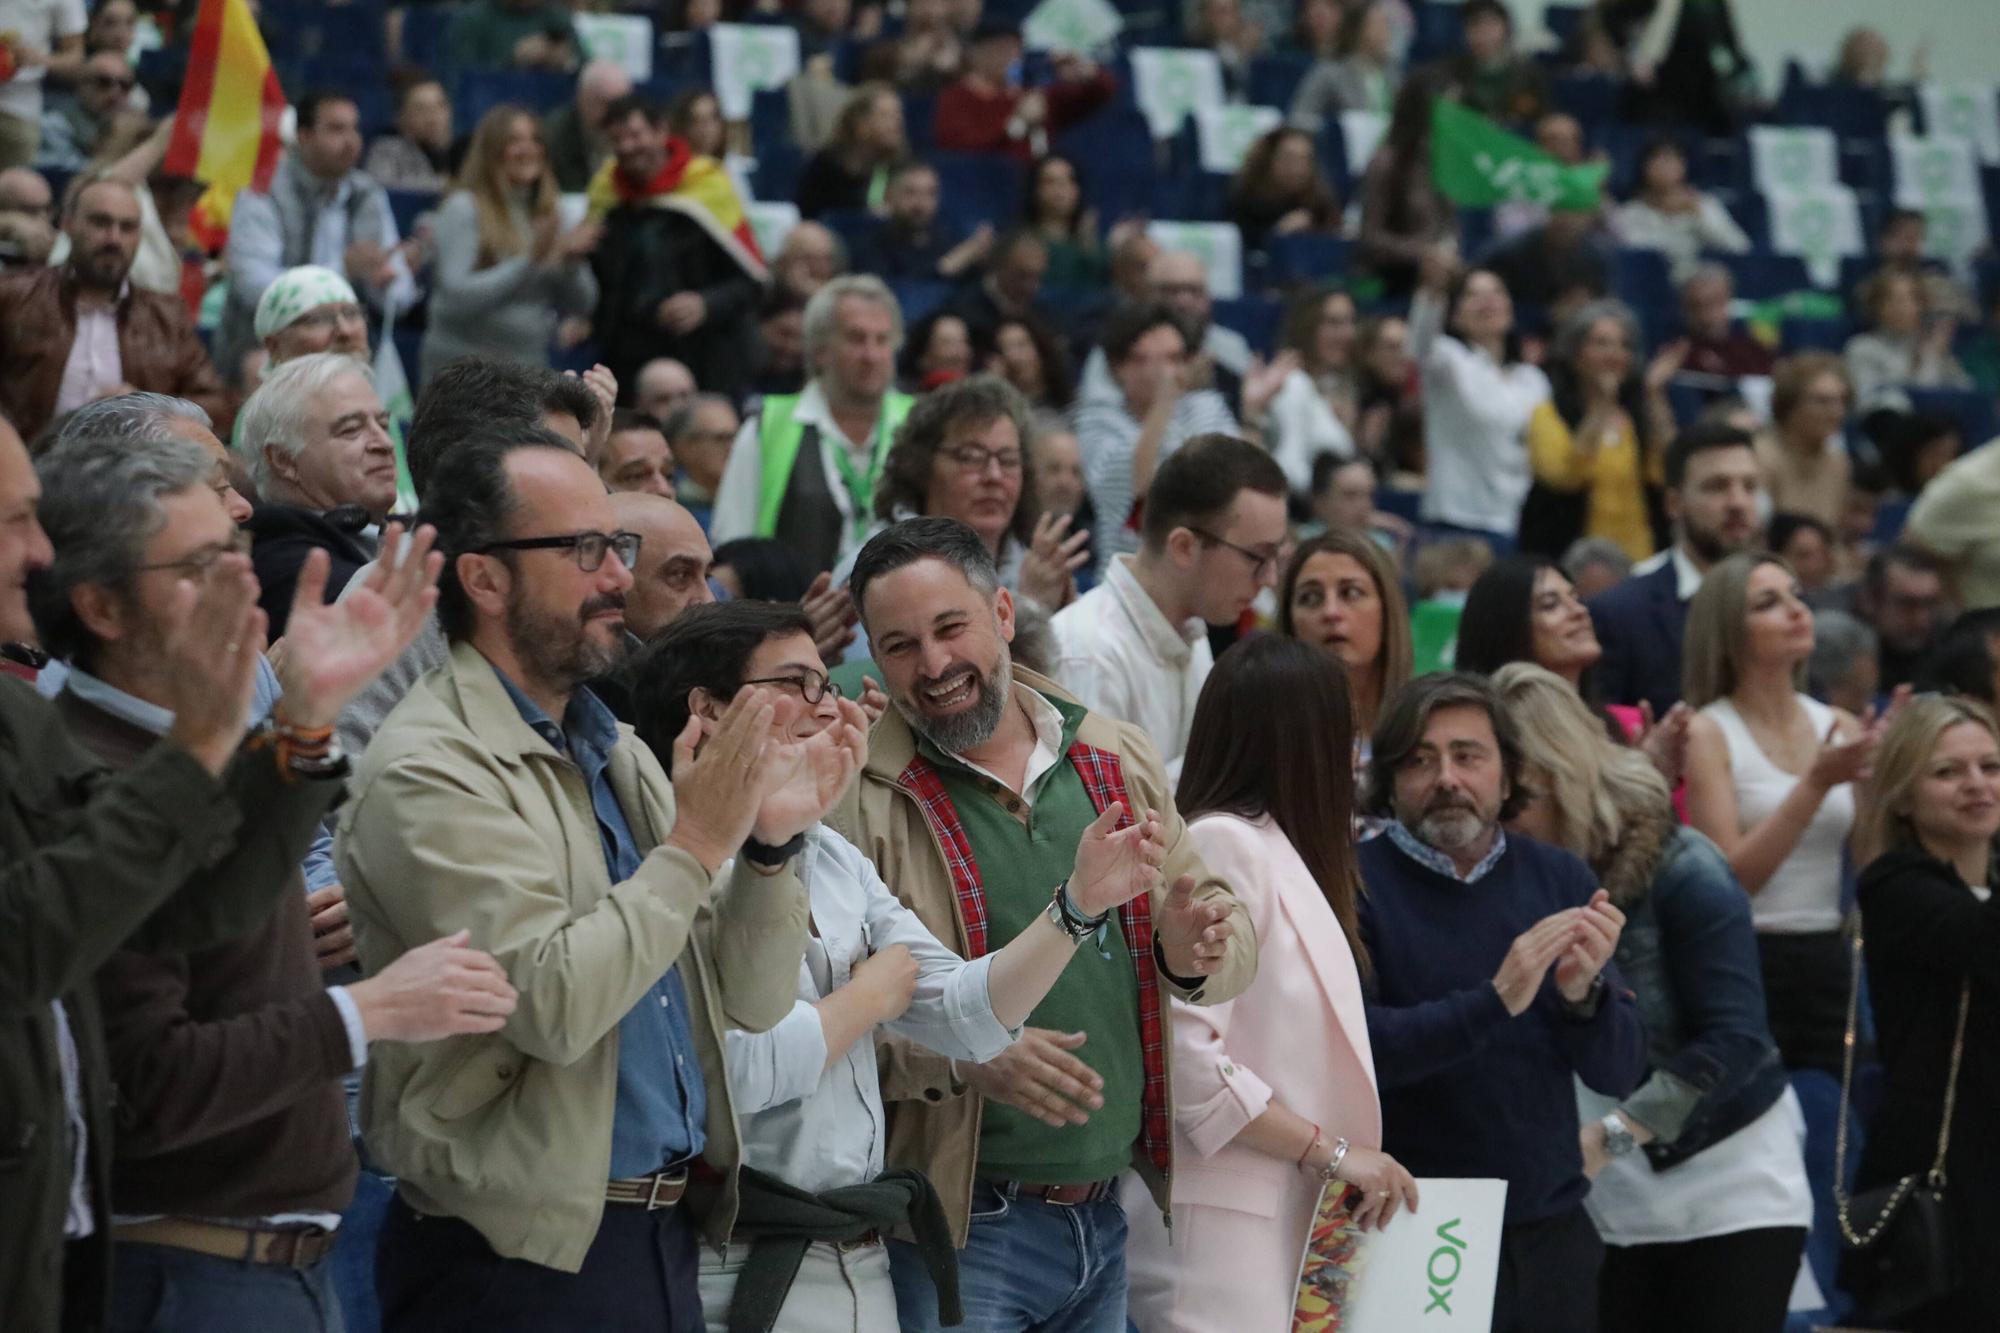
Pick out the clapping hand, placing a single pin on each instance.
(1665, 742)
(1600, 923)
(1262, 382)
(1114, 865)
(1048, 570)
(806, 778)
(833, 617)
(333, 649)
(1193, 936)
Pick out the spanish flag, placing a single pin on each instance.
(226, 127)
(690, 184)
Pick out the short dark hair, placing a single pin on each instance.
(1473, 9)
(1200, 480)
(1129, 324)
(1787, 524)
(1408, 713)
(309, 106)
(1699, 439)
(1327, 466)
(1901, 554)
(975, 400)
(766, 569)
(468, 398)
(707, 647)
(905, 543)
(631, 418)
(470, 502)
(621, 109)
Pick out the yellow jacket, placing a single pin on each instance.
(1613, 474)
(464, 817)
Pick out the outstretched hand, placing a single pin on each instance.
(1114, 865)
(334, 649)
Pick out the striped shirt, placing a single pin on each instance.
(1108, 434)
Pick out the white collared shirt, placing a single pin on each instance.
(1687, 579)
(821, 1127)
(95, 366)
(734, 513)
(1048, 726)
(1120, 656)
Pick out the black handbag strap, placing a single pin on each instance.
(1843, 1203)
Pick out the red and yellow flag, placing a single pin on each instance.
(688, 183)
(226, 127)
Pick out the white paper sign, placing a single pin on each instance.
(1360, 132)
(624, 39)
(1218, 245)
(1793, 157)
(1077, 26)
(1967, 111)
(750, 58)
(1820, 225)
(1225, 133)
(772, 223)
(1432, 1270)
(1955, 230)
(1933, 170)
(1171, 84)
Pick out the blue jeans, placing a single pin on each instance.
(160, 1289)
(1027, 1265)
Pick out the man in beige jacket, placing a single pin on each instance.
(977, 790)
(542, 1169)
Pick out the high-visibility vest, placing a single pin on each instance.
(779, 434)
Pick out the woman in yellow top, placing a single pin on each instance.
(1597, 443)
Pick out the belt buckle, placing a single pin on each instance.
(660, 1178)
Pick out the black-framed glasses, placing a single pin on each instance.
(198, 563)
(974, 459)
(811, 685)
(586, 548)
(1259, 560)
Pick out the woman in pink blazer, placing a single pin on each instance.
(1275, 1090)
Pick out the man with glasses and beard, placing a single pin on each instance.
(545, 1172)
(83, 331)
(1476, 1066)
(1712, 494)
(980, 786)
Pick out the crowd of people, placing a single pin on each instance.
(914, 774)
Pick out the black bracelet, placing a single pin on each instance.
(765, 854)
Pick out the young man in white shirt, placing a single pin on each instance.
(808, 1090)
(1136, 646)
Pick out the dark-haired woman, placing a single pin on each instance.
(1052, 208)
(1260, 1128)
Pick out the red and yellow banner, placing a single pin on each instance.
(226, 127)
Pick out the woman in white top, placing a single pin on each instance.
(1317, 403)
(1770, 778)
(1667, 214)
(1478, 398)
(1907, 343)
(1703, 1228)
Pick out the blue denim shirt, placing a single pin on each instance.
(662, 1104)
(1690, 956)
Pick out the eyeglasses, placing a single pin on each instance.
(200, 562)
(974, 459)
(586, 548)
(1259, 560)
(811, 685)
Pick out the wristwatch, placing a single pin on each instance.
(1618, 1138)
(770, 854)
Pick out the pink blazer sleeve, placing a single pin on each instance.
(1215, 1096)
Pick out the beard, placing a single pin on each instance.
(104, 268)
(1709, 543)
(558, 651)
(955, 733)
(1450, 824)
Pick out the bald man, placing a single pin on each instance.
(663, 383)
(674, 559)
(573, 131)
(810, 258)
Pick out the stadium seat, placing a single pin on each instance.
(1591, 98)
(1762, 275)
(919, 299)
(1815, 335)
(1974, 411)
(1851, 113)
(408, 206)
(1273, 79)
(426, 30)
(770, 116)
(1257, 318)
(1115, 153)
(977, 187)
(1439, 32)
(1563, 22)
(1308, 259)
(1639, 277)
(778, 168)
(479, 91)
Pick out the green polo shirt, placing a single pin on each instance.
(1023, 851)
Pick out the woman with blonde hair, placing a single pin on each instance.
(507, 273)
(852, 171)
(1771, 776)
(1704, 1227)
(1932, 925)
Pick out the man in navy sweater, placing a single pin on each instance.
(1492, 987)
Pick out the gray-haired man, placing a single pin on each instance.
(315, 438)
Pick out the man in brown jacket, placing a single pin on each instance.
(977, 790)
(80, 332)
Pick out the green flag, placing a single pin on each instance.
(1476, 164)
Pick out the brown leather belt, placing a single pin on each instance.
(251, 1245)
(1064, 1196)
(662, 1189)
